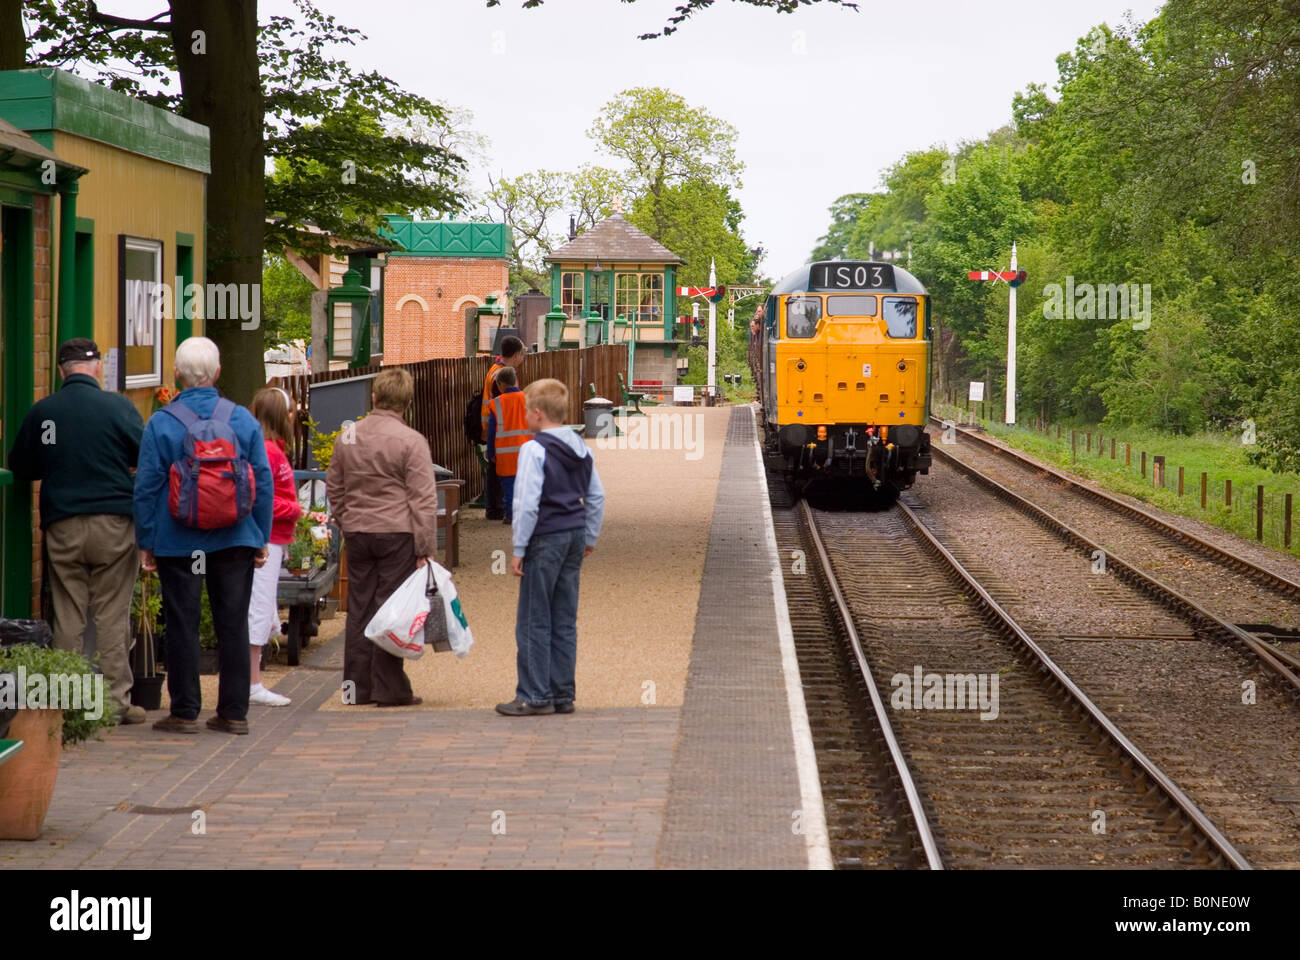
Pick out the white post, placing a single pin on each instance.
(713, 334)
(1011, 346)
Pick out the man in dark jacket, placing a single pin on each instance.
(82, 444)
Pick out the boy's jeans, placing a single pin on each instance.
(546, 623)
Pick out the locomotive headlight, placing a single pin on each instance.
(902, 366)
(800, 365)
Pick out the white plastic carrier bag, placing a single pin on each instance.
(458, 632)
(398, 625)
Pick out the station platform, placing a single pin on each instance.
(688, 747)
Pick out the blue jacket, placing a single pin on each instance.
(155, 528)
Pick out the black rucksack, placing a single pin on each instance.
(474, 419)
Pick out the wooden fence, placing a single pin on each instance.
(443, 387)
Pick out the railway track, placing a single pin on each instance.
(1044, 779)
(1214, 588)
(1209, 712)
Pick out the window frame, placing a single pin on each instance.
(573, 306)
(916, 317)
(137, 381)
(649, 284)
(816, 322)
(874, 298)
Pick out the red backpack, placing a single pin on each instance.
(211, 483)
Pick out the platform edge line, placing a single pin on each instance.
(810, 789)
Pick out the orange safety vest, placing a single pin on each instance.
(486, 405)
(512, 431)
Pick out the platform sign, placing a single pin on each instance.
(977, 391)
(684, 395)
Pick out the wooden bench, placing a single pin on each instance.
(449, 492)
(8, 748)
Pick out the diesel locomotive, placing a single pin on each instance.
(841, 355)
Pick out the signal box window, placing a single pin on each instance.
(900, 317)
(571, 294)
(850, 306)
(801, 316)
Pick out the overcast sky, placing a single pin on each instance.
(824, 98)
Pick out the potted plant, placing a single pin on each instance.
(27, 780)
(322, 448)
(146, 608)
(209, 656)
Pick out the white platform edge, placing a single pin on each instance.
(810, 787)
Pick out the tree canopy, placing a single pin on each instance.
(1163, 160)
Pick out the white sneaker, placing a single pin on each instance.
(267, 698)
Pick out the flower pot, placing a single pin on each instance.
(146, 692)
(27, 780)
(209, 660)
(330, 608)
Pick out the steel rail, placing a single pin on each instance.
(1275, 580)
(1094, 714)
(1130, 573)
(922, 823)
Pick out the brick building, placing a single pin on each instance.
(440, 270)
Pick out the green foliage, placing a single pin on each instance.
(322, 443)
(286, 302)
(844, 221)
(1164, 156)
(146, 603)
(322, 118)
(698, 221)
(78, 725)
(305, 547)
(666, 142)
(207, 628)
(685, 9)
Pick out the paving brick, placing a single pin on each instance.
(707, 784)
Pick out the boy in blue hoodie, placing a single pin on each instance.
(559, 504)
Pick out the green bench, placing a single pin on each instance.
(8, 748)
(631, 396)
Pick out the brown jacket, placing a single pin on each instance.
(384, 482)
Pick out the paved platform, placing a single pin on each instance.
(708, 777)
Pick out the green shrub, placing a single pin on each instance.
(78, 725)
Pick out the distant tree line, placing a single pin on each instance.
(1166, 155)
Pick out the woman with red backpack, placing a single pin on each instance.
(203, 496)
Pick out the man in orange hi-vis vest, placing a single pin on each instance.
(512, 355)
(507, 432)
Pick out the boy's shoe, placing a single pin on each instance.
(220, 723)
(522, 708)
(131, 714)
(564, 706)
(174, 724)
(496, 514)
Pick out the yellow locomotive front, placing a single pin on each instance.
(845, 372)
